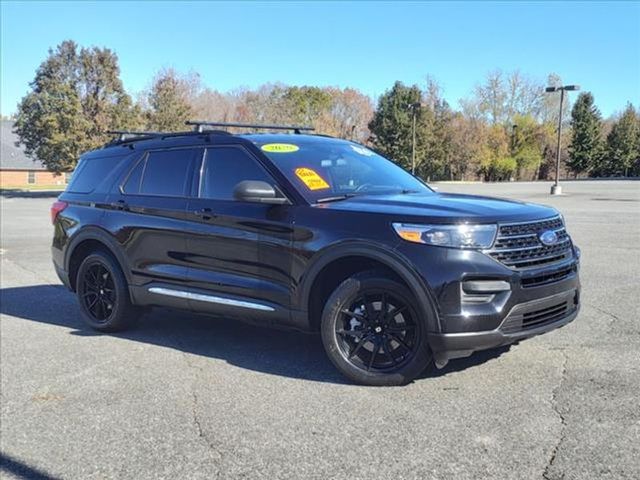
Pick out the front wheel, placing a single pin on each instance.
(372, 331)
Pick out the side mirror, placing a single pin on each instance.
(259, 192)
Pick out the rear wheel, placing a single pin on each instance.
(103, 294)
(372, 331)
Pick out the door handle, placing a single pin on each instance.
(119, 205)
(204, 213)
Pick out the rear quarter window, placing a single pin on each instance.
(91, 172)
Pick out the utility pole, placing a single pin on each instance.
(556, 189)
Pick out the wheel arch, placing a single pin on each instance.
(88, 240)
(372, 256)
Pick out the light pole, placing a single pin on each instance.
(414, 110)
(556, 189)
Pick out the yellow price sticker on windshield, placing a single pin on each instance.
(311, 179)
(280, 147)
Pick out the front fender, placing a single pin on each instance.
(380, 253)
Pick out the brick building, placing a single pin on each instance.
(16, 169)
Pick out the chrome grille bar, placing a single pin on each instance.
(522, 249)
(518, 245)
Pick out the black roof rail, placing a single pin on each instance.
(199, 126)
(129, 134)
(129, 137)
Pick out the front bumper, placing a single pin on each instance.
(524, 320)
(515, 305)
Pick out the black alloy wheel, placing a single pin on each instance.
(103, 293)
(375, 332)
(98, 292)
(378, 332)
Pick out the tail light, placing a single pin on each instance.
(57, 207)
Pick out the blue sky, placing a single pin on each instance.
(367, 45)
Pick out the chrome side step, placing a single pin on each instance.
(210, 298)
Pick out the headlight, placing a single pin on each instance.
(456, 236)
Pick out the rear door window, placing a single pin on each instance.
(164, 172)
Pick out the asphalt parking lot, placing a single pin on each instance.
(186, 396)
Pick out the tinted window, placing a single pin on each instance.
(167, 172)
(132, 185)
(90, 172)
(224, 168)
(324, 167)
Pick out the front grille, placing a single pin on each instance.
(518, 245)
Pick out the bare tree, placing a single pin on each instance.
(348, 115)
(550, 105)
(501, 97)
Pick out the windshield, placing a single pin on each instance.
(324, 168)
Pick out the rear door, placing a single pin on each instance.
(239, 252)
(149, 214)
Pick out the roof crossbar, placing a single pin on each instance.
(199, 126)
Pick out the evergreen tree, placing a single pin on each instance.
(438, 119)
(105, 103)
(586, 148)
(169, 102)
(623, 144)
(75, 97)
(304, 105)
(392, 125)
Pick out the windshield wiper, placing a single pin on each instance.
(338, 198)
(335, 198)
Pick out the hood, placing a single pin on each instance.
(444, 208)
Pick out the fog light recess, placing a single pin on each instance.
(483, 291)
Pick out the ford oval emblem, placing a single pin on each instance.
(549, 237)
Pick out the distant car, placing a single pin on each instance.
(312, 233)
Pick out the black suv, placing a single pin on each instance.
(313, 233)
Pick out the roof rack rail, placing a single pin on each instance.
(199, 126)
(129, 134)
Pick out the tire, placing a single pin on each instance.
(383, 317)
(103, 294)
